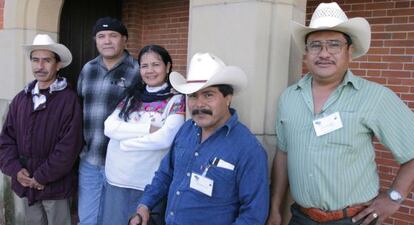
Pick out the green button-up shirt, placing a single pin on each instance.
(337, 169)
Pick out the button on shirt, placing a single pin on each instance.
(338, 169)
(240, 195)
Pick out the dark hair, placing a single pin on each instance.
(57, 57)
(161, 51)
(346, 36)
(133, 93)
(225, 89)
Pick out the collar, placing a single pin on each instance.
(349, 79)
(58, 85)
(232, 121)
(156, 89)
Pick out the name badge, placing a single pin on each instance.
(202, 184)
(327, 124)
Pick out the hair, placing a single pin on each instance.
(346, 36)
(57, 57)
(161, 51)
(133, 93)
(225, 89)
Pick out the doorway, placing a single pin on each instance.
(76, 22)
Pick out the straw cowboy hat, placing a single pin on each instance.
(329, 16)
(207, 70)
(44, 42)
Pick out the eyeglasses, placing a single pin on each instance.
(332, 46)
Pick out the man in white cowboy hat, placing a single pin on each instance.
(325, 124)
(216, 170)
(42, 137)
(101, 84)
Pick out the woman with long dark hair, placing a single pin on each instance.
(141, 130)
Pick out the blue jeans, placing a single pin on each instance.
(121, 203)
(298, 218)
(91, 188)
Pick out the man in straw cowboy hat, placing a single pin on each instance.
(325, 125)
(42, 137)
(216, 170)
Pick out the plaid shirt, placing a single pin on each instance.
(101, 90)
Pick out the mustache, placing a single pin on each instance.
(201, 111)
(325, 61)
(40, 71)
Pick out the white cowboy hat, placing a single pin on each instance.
(207, 70)
(44, 42)
(329, 16)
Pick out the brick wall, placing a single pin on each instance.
(390, 61)
(1, 13)
(162, 22)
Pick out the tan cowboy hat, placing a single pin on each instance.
(329, 16)
(207, 70)
(45, 42)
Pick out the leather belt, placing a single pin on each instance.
(321, 216)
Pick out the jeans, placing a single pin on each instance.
(298, 218)
(91, 189)
(121, 203)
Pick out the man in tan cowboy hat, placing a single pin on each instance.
(216, 170)
(42, 137)
(325, 124)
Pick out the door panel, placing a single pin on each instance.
(76, 22)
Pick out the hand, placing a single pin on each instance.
(23, 177)
(36, 185)
(275, 218)
(141, 218)
(381, 208)
(135, 220)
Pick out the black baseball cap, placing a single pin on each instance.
(109, 23)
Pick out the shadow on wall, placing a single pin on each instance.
(11, 207)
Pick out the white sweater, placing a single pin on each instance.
(133, 153)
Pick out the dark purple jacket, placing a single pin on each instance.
(45, 141)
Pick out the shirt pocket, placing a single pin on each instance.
(224, 182)
(352, 133)
(181, 157)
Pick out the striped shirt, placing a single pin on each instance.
(101, 90)
(337, 169)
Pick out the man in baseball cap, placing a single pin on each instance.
(100, 85)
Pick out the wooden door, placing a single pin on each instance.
(76, 22)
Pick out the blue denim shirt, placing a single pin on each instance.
(240, 196)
